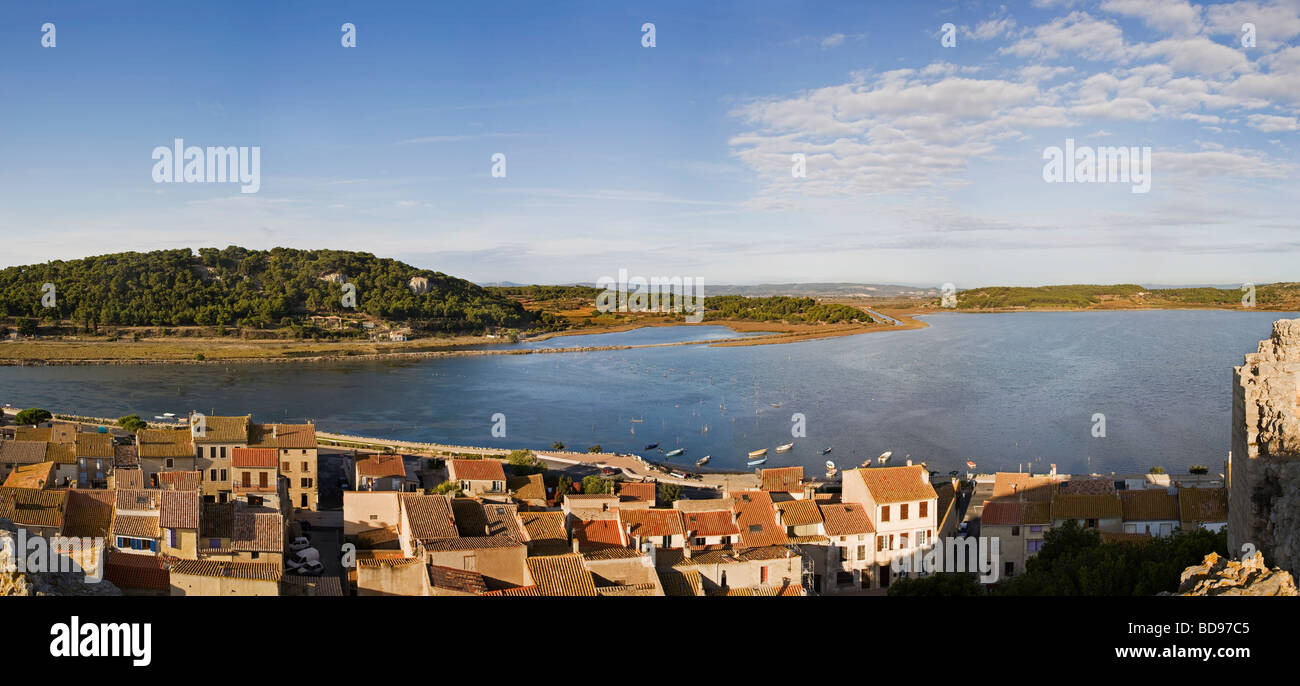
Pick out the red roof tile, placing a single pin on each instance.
(476, 470)
(253, 457)
(897, 484)
(783, 479)
(651, 522)
(756, 518)
(597, 533)
(714, 523)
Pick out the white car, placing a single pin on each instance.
(312, 568)
(299, 543)
(302, 558)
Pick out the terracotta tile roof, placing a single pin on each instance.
(782, 479)
(129, 478)
(846, 519)
(223, 430)
(392, 561)
(1036, 513)
(1203, 504)
(259, 532)
(756, 519)
(799, 512)
(32, 507)
(703, 505)
(33, 433)
(628, 590)
(610, 554)
(681, 582)
(456, 579)
(1086, 487)
(636, 491)
(139, 526)
(133, 499)
(63, 432)
(651, 522)
(379, 465)
(282, 436)
(947, 498)
(897, 484)
(94, 445)
(37, 475)
(443, 545)
(545, 527)
(476, 470)
(254, 457)
(715, 523)
(153, 443)
(125, 457)
(88, 513)
(1022, 486)
(22, 452)
(127, 570)
(1095, 506)
(253, 571)
(319, 586)
(597, 533)
(180, 510)
(674, 558)
(430, 516)
(561, 575)
(178, 481)
(470, 518)
(503, 520)
(516, 591)
(217, 520)
(1149, 504)
(62, 453)
(1002, 513)
(810, 539)
(531, 487)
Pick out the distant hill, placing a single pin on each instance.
(1276, 296)
(258, 288)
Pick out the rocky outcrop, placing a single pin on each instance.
(1221, 576)
(16, 583)
(1264, 467)
(419, 285)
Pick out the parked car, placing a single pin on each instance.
(299, 543)
(302, 558)
(608, 471)
(312, 568)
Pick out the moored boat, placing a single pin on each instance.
(652, 446)
(702, 461)
(784, 448)
(675, 453)
(758, 461)
(884, 457)
(826, 450)
(757, 453)
(831, 469)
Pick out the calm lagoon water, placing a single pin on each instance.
(999, 389)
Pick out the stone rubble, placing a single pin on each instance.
(1221, 576)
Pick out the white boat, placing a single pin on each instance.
(760, 460)
(830, 469)
(758, 453)
(884, 457)
(784, 448)
(702, 461)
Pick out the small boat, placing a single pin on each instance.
(675, 453)
(760, 460)
(970, 464)
(637, 421)
(758, 453)
(884, 457)
(702, 461)
(678, 475)
(830, 468)
(826, 451)
(775, 404)
(866, 462)
(784, 448)
(652, 446)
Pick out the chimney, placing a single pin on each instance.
(275, 431)
(909, 463)
(575, 544)
(1053, 472)
(686, 548)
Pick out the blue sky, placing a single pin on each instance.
(924, 161)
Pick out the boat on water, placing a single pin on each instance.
(702, 461)
(637, 421)
(830, 468)
(758, 453)
(884, 457)
(970, 464)
(675, 453)
(826, 451)
(775, 404)
(652, 446)
(758, 461)
(784, 448)
(866, 462)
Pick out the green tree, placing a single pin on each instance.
(1156, 470)
(557, 446)
(32, 415)
(594, 449)
(446, 487)
(668, 494)
(1198, 469)
(596, 484)
(132, 423)
(522, 458)
(26, 326)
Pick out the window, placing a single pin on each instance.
(880, 543)
(261, 479)
(763, 574)
(171, 537)
(214, 543)
(1033, 546)
(726, 540)
(254, 555)
(755, 528)
(862, 552)
(1015, 531)
(884, 513)
(223, 452)
(1035, 529)
(902, 511)
(304, 501)
(1009, 568)
(304, 466)
(224, 475)
(284, 466)
(1092, 524)
(925, 508)
(305, 482)
(212, 474)
(123, 542)
(304, 451)
(247, 480)
(1130, 528)
(902, 541)
(170, 463)
(212, 452)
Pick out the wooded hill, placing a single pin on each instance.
(256, 288)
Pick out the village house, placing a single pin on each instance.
(851, 556)
(766, 570)
(14, 453)
(258, 537)
(708, 523)
(756, 520)
(499, 559)
(95, 459)
(214, 440)
(255, 476)
(900, 503)
(392, 576)
(379, 472)
(297, 451)
(1152, 511)
(167, 450)
(529, 491)
(220, 578)
(136, 521)
(1100, 511)
(783, 483)
(560, 575)
(39, 512)
(661, 527)
(478, 477)
(178, 517)
(545, 531)
(1204, 508)
(39, 475)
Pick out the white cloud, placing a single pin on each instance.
(1269, 123)
(993, 28)
(1077, 33)
(1178, 17)
(834, 40)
